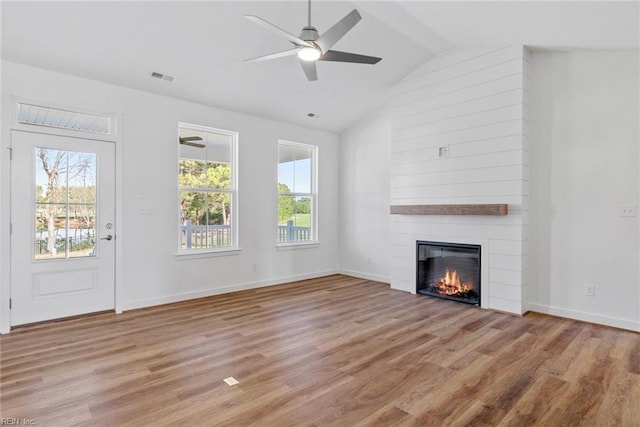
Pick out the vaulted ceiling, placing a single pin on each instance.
(203, 44)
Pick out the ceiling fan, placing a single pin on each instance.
(310, 46)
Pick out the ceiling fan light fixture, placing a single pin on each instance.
(310, 46)
(309, 53)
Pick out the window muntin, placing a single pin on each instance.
(208, 194)
(296, 192)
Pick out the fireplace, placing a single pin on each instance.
(448, 270)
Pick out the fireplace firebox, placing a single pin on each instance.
(448, 270)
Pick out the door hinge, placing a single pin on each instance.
(10, 153)
(10, 228)
(9, 303)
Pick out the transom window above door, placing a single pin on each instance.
(51, 117)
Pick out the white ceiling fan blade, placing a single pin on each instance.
(272, 55)
(277, 30)
(334, 55)
(310, 70)
(335, 33)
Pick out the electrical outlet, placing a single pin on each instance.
(590, 290)
(145, 210)
(628, 210)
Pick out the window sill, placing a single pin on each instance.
(206, 253)
(297, 245)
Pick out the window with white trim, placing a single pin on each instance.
(207, 187)
(297, 198)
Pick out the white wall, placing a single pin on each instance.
(149, 270)
(584, 116)
(364, 197)
(578, 162)
(472, 101)
(581, 125)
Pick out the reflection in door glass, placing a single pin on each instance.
(65, 204)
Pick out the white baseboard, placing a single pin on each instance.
(616, 322)
(367, 276)
(167, 299)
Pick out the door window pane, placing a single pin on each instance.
(65, 204)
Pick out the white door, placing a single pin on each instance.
(63, 228)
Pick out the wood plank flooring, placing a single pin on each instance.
(334, 351)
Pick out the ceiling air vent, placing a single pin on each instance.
(63, 119)
(161, 76)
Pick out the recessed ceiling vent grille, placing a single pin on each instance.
(63, 119)
(161, 76)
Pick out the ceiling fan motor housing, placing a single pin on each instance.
(309, 34)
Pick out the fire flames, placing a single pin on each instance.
(450, 284)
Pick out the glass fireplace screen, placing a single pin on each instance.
(448, 270)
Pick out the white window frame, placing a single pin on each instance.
(314, 241)
(233, 248)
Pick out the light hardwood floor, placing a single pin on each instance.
(331, 351)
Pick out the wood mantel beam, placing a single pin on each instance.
(469, 209)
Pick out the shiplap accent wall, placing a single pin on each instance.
(471, 101)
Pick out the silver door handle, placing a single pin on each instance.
(109, 237)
